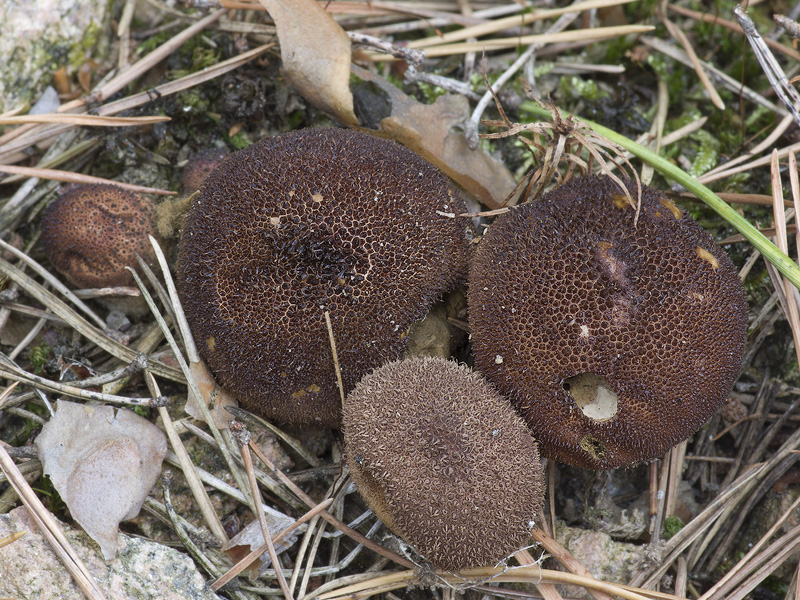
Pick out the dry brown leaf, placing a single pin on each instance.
(103, 461)
(427, 130)
(316, 55)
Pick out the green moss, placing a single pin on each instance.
(201, 58)
(575, 87)
(241, 140)
(673, 74)
(50, 496)
(39, 355)
(193, 100)
(542, 68)
(429, 92)
(153, 42)
(87, 46)
(707, 153)
(672, 525)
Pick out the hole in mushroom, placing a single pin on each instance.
(593, 395)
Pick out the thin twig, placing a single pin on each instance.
(568, 561)
(223, 448)
(677, 33)
(729, 82)
(14, 373)
(255, 554)
(483, 29)
(716, 20)
(332, 341)
(787, 296)
(583, 35)
(188, 468)
(328, 517)
(87, 120)
(471, 132)
(406, 53)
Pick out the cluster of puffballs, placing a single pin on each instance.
(606, 326)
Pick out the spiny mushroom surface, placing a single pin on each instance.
(444, 461)
(92, 232)
(613, 341)
(307, 222)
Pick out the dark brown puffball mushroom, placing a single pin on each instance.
(444, 461)
(613, 341)
(199, 166)
(92, 232)
(307, 222)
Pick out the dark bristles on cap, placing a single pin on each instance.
(444, 461)
(309, 221)
(614, 341)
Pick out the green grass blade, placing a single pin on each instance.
(783, 263)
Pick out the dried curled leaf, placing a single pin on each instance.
(429, 130)
(103, 461)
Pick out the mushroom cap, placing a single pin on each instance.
(613, 341)
(92, 232)
(199, 166)
(306, 222)
(444, 461)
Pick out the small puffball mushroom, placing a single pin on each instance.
(303, 223)
(444, 461)
(92, 232)
(614, 340)
(200, 166)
